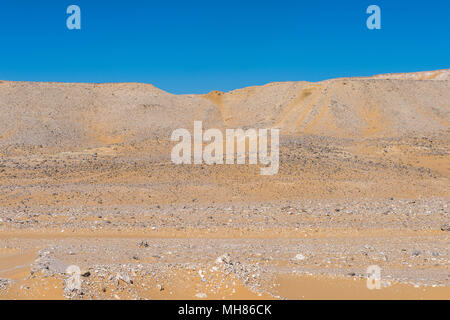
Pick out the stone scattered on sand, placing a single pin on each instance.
(299, 257)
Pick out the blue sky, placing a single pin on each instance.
(195, 46)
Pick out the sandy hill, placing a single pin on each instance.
(342, 107)
(103, 194)
(424, 75)
(94, 114)
(64, 114)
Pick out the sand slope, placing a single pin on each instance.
(88, 115)
(92, 115)
(86, 179)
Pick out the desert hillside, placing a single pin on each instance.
(86, 180)
(93, 115)
(424, 75)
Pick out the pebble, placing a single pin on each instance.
(299, 256)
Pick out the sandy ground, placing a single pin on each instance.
(363, 180)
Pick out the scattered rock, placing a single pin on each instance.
(299, 257)
(225, 258)
(416, 253)
(143, 244)
(86, 274)
(125, 278)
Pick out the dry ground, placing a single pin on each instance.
(363, 180)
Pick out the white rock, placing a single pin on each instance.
(299, 257)
(225, 258)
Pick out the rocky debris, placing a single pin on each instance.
(48, 264)
(5, 283)
(254, 262)
(416, 253)
(224, 259)
(422, 214)
(249, 274)
(124, 277)
(86, 274)
(143, 244)
(299, 257)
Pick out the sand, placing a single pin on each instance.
(86, 179)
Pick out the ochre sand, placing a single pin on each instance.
(184, 287)
(86, 179)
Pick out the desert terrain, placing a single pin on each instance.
(86, 179)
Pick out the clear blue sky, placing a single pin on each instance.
(194, 46)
